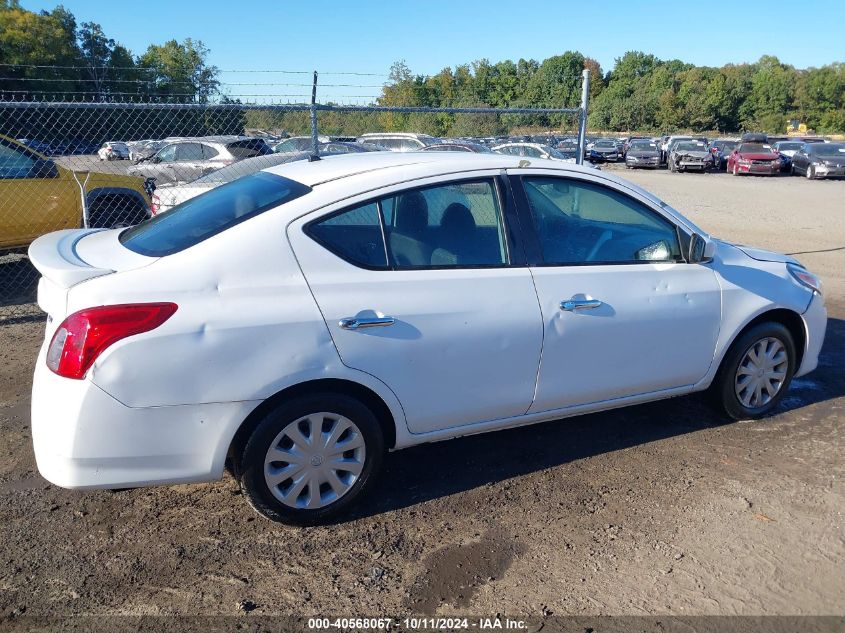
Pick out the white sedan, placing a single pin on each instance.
(298, 322)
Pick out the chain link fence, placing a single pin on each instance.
(104, 164)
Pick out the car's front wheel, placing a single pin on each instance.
(755, 372)
(310, 458)
(810, 172)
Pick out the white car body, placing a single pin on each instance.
(472, 350)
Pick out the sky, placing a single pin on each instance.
(365, 36)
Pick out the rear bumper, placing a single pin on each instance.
(84, 438)
(815, 324)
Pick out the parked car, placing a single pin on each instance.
(627, 142)
(38, 196)
(642, 153)
(532, 150)
(113, 150)
(168, 196)
(187, 160)
(298, 322)
(142, 150)
(74, 147)
(820, 160)
(346, 147)
(720, 149)
(398, 141)
(753, 158)
(39, 146)
(668, 146)
(604, 150)
(786, 150)
(298, 144)
(458, 146)
(689, 155)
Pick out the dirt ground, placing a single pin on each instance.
(656, 509)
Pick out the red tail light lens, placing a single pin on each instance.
(83, 336)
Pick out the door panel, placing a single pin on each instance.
(457, 345)
(623, 313)
(656, 329)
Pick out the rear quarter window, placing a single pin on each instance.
(213, 212)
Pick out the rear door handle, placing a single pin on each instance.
(353, 323)
(580, 304)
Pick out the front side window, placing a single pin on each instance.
(211, 213)
(445, 226)
(167, 154)
(581, 223)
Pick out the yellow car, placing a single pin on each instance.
(38, 196)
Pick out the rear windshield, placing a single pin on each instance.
(249, 148)
(755, 148)
(211, 213)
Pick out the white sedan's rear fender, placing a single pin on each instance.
(84, 438)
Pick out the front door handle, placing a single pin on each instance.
(580, 304)
(356, 323)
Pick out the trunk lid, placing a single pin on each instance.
(70, 257)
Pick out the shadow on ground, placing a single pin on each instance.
(431, 471)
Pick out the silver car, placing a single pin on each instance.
(188, 159)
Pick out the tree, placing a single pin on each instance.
(181, 70)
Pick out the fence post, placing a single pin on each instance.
(582, 117)
(315, 149)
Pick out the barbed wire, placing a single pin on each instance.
(149, 69)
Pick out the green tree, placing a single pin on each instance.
(181, 70)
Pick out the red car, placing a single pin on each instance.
(754, 158)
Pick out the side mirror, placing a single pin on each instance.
(43, 168)
(700, 249)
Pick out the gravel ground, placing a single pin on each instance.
(656, 509)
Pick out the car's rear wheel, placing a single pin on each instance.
(755, 372)
(309, 459)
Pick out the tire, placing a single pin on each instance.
(792, 170)
(735, 171)
(255, 474)
(810, 172)
(111, 211)
(772, 337)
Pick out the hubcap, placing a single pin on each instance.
(761, 373)
(315, 460)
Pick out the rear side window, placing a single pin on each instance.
(211, 213)
(249, 148)
(452, 225)
(355, 235)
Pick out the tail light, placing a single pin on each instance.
(155, 204)
(84, 335)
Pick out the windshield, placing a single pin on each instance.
(690, 146)
(643, 145)
(605, 144)
(755, 148)
(724, 144)
(211, 213)
(829, 149)
(789, 146)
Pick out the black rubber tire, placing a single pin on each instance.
(250, 460)
(722, 390)
(810, 172)
(116, 212)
